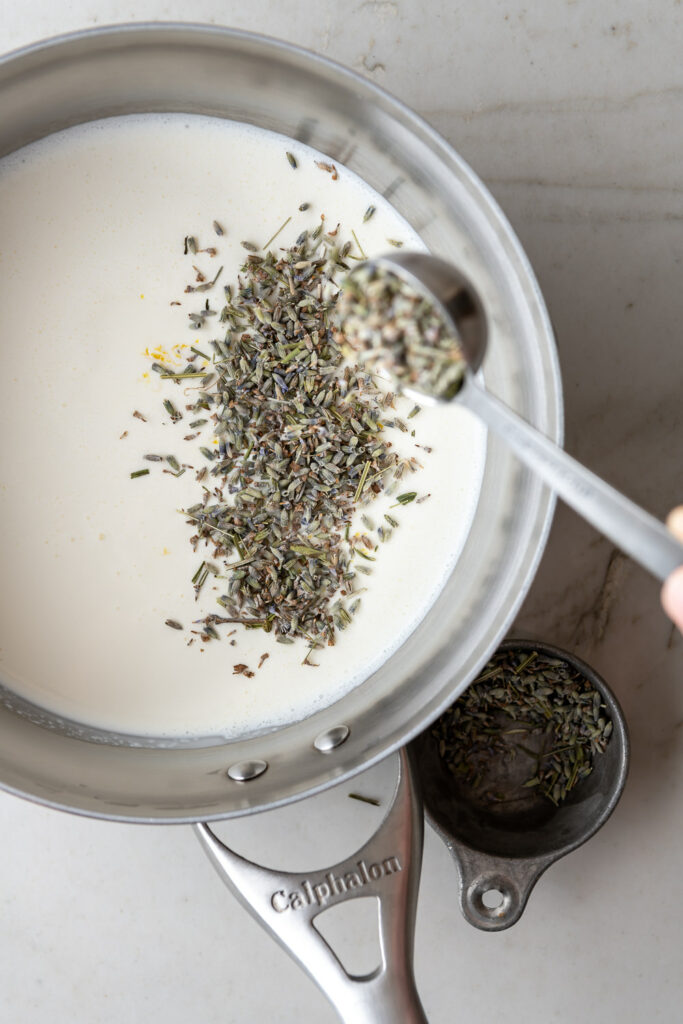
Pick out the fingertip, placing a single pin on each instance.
(672, 597)
(674, 521)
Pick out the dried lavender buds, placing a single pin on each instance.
(525, 706)
(298, 447)
(392, 326)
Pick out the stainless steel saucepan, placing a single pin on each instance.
(239, 76)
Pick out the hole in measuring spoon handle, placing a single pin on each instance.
(491, 902)
(492, 899)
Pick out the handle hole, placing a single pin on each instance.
(351, 930)
(492, 898)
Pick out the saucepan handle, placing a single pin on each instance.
(287, 904)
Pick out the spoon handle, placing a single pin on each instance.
(630, 527)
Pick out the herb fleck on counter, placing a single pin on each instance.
(365, 799)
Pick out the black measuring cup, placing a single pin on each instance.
(501, 852)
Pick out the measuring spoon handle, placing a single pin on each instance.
(627, 525)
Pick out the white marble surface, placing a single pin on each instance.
(572, 113)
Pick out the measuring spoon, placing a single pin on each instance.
(630, 527)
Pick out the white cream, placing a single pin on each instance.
(91, 229)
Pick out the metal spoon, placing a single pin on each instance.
(630, 527)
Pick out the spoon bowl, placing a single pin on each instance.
(451, 294)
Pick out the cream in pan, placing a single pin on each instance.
(93, 562)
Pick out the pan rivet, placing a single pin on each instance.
(243, 771)
(331, 739)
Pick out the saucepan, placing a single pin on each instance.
(206, 70)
